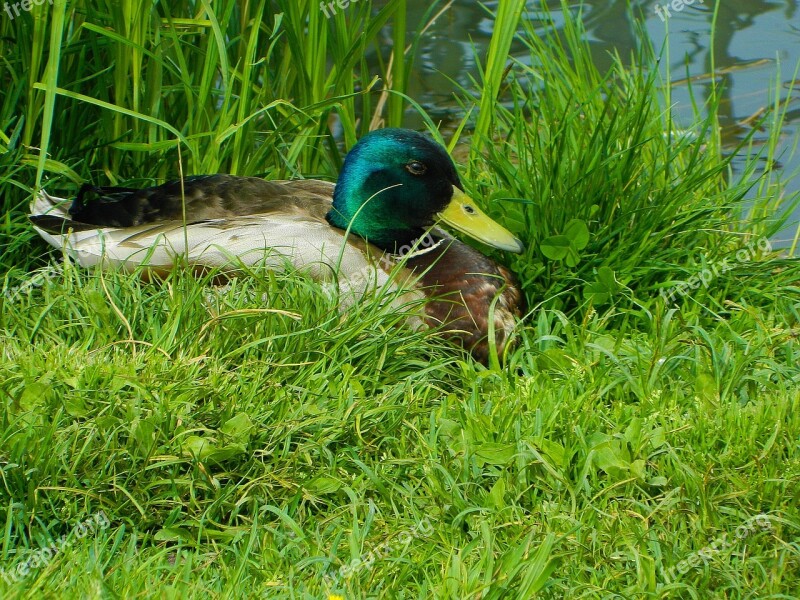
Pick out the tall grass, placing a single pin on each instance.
(615, 199)
(260, 88)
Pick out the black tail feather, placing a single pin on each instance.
(58, 225)
(105, 194)
(111, 206)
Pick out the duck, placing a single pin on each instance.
(384, 222)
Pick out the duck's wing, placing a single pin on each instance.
(200, 198)
(229, 221)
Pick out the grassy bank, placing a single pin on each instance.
(177, 439)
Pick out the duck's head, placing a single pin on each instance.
(395, 183)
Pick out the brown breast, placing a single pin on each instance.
(463, 284)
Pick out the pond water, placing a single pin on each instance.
(756, 41)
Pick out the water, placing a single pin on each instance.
(756, 41)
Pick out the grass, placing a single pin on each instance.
(251, 441)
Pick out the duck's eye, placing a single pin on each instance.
(416, 168)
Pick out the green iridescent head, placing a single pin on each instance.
(396, 183)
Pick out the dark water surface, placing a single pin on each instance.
(756, 42)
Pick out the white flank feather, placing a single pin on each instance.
(45, 204)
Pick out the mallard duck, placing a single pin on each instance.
(395, 188)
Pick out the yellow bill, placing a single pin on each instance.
(462, 214)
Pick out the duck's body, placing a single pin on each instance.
(225, 221)
(228, 220)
